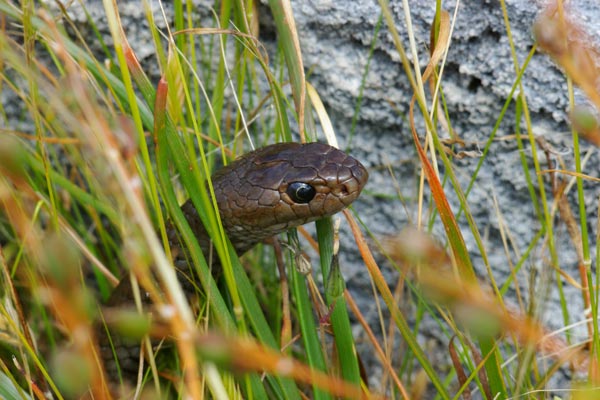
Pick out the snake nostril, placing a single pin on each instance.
(349, 188)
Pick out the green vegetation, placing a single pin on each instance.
(111, 155)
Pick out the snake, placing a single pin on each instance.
(259, 195)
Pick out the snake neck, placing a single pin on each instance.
(240, 244)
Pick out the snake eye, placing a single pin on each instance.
(301, 192)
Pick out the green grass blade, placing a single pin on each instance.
(340, 320)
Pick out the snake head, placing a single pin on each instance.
(284, 185)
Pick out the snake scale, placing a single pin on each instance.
(259, 195)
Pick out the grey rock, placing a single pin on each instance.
(478, 77)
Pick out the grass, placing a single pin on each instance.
(86, 189)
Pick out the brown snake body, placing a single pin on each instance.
(259, 195)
